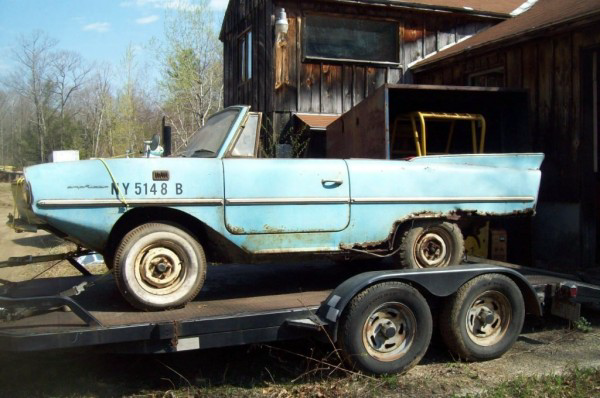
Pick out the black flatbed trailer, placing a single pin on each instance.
(243, 304)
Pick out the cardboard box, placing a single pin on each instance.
(63, 156)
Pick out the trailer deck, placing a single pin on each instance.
(240, 304)
(245, 300)
(588, 291)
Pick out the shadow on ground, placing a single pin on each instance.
(40, 242)
(233, 371)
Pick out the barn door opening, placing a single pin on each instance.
(590, 222)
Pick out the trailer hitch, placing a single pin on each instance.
(69, 256)
(19, 308)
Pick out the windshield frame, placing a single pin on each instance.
(234, 127)
(240, 131)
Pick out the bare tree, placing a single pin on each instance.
(35, 56)
(136, 117)
(15, 115)
(191, 61)
(68, 75)
(127, 127)
(4, 115)
(94, 112)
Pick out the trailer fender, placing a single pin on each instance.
(437, 282)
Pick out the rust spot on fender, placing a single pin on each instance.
(475, 213)
(454, 215)
(272, 230)
(378, 245)
(235, 230)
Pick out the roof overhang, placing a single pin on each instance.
(475, 44)
(469, 7)
(316, 121)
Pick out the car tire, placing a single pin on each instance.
(483, 319)
(159, 266)
(385, 329)
(431, 244)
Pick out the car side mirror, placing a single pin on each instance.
(155, 142)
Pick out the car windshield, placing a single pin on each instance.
(206, 142)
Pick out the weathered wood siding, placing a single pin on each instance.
(549, 67)
(283, 82)
(258, 91)
(335, 87)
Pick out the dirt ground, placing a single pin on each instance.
(299, 368)
(14, 244)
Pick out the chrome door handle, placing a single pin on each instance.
(334, 181)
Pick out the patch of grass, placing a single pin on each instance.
(281, 370)
(575, 383)
(461, 368)
(391, 381)
(582, 325)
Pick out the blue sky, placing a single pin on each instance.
(99, 30)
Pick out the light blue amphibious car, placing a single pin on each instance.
(156, 220)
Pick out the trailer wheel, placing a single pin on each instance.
(159, 266)
(385, 329)
(431, 244)
(483, 318)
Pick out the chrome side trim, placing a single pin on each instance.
(465, 199)
(286, 201)
(131, 202)
(275, 201)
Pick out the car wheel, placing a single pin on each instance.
(483, 318)
(159, 266)
(108, 260)
(385, 329)
(431, 244)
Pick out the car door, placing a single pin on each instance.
(268, 196)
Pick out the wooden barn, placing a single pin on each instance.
(553, 51)
(294, 60)
(304, 63)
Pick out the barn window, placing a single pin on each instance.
(245, 48)
(489, 78)
(345, 39)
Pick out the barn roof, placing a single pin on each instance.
(503, 7)
(482, 6)
(543, 15)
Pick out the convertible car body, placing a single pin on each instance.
(222, 196)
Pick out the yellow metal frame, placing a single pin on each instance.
(420, 139)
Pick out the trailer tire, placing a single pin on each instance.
(431, 244)
(483, 319)
(385, 329)
(159, 266)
